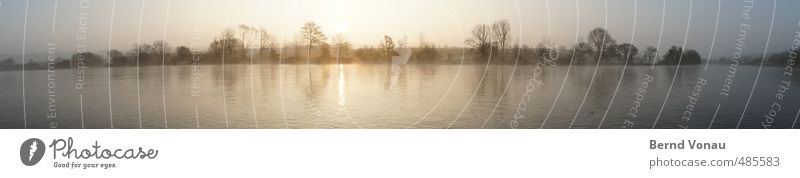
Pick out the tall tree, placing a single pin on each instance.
(142, 53)
(672, 56)
(677, 55)
(387, 45)
(649, 55)
(600, 41)
(481, 40)
(502, 34)
(118, 58)
(342, 46)
(627, 51)
(224, 46)
(267, 45)
(581, 50)
(183, 55)
(229, 42)
(691, 57)
(248, 36)
(215, 48)
(162, 50)
(311, 35)
(340, 40)
(426, 52)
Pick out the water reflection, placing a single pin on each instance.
(386, 96)
(341, 100)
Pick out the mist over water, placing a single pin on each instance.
(386, 96)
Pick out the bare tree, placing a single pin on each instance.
(581, 50)
(162, 50)
(426, 52)
(267, 44)
(649, 55)
(311, 35)
(600, 40)
(161, 47)
(387, 45)
(215, 47)
(248, 36)
(502, 33)
(224, 46)
(297, 41)
(367, 52)
(340, 40)
(229, 42)
(145, 54)
(546, 50)
(481, 39)
(627, 51)
(118, 58)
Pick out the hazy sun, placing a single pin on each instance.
(342, 27)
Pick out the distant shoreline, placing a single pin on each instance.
(370, 64)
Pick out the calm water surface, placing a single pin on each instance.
(384, 96)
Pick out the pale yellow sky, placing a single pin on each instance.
(444, 22)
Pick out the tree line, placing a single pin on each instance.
(493, 42)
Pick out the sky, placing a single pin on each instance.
(364, 22)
